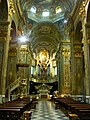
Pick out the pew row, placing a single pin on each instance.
(13, 110)
(73, 107)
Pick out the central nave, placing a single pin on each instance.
(45, 110)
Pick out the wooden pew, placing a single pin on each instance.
(13, 110)
(82, 110)
(64, 102)
(10, 114)
(27, 115)
(84, 114)
(75, 107)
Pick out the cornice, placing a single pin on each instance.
(65, 41)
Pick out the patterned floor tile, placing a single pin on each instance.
(45, 110)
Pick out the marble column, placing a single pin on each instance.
(4, 44)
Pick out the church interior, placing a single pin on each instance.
(44, 59)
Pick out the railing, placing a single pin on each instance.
(13, 86)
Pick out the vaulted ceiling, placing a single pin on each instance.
(46, 13)
(58, 9)
(45, 36)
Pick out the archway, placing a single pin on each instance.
(79, 60)
(78, 33)
(13, 32)
(88, 13)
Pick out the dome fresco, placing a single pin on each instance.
(47, 10)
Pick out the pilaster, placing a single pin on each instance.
(58, 76)
(4, 46)
(23, 68)
(72, 65)
(78, 68)
(86, 40)
(65, 83)
(86, 49)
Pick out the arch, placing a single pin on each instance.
(79, 60)
(13, 32)
(3, 10)
(78, 33)
(88, 13)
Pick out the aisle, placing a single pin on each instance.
(45, 110)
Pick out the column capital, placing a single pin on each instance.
(72, 33)
(78, 50)
(3, 38)
(4, 30)
(82, 11)
(4, 23)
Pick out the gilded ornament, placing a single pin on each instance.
(12, 52)
(2, 38)
(11, 8)
(3, 32)
(66, 52)
(78, 54)
(82, 12)
(66, 76)
(88, 41)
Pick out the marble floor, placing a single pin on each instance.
(45, 110)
